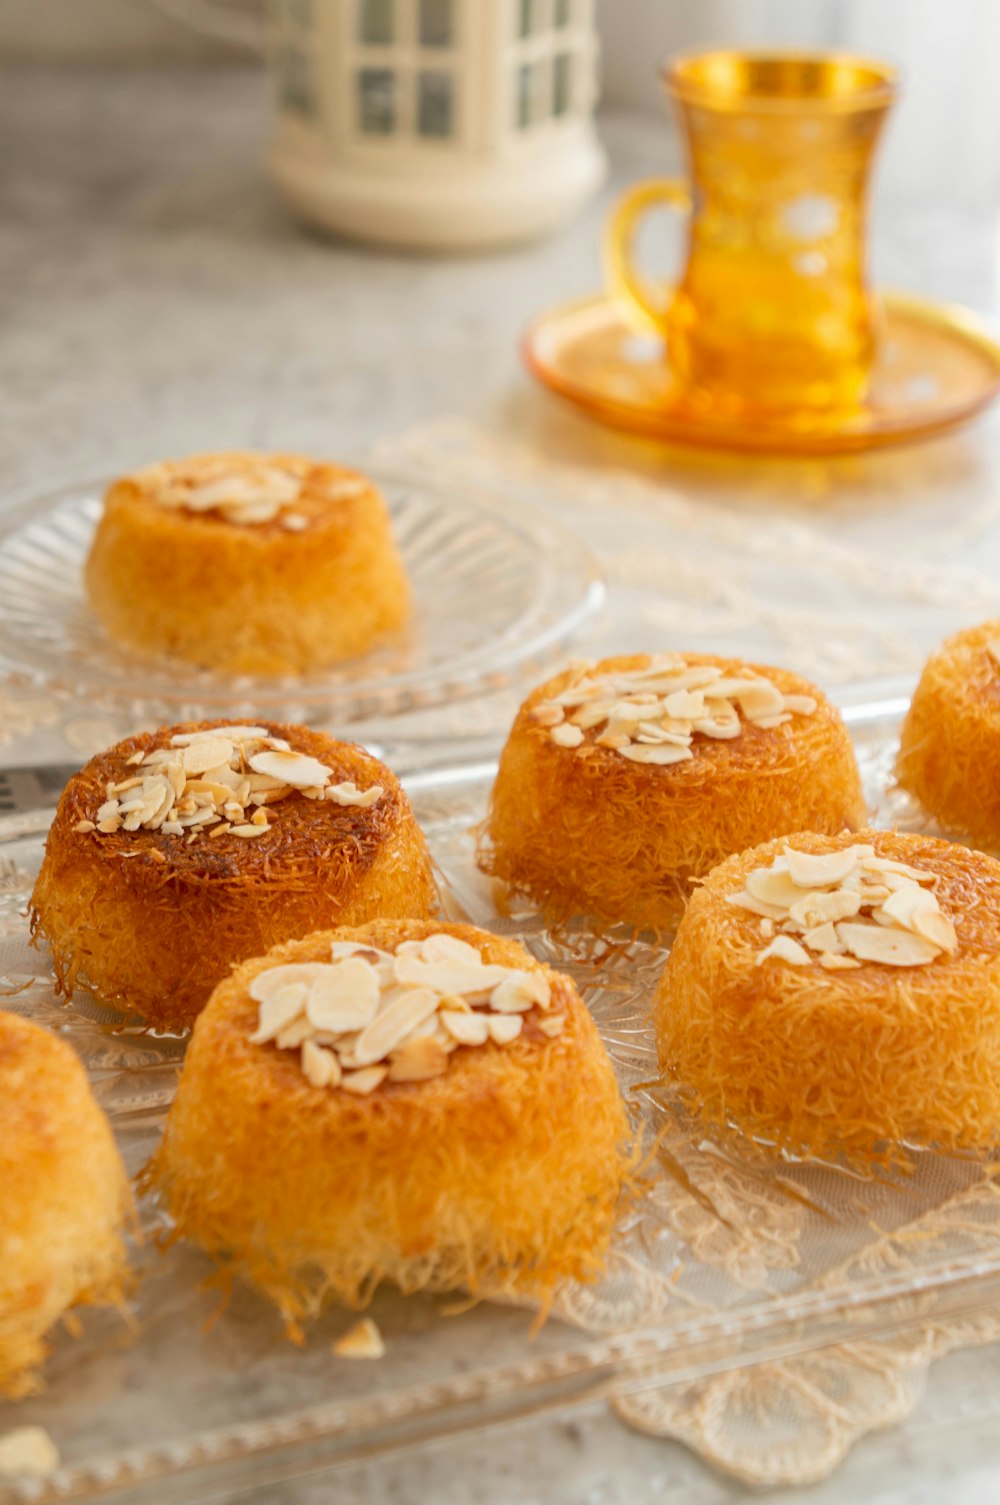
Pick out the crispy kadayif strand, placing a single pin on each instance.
(583, 831)
(150, 923)
(949, 754)
(855, 1063)
(503, 1174)
(64, 1198)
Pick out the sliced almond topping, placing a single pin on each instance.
(552, 1024)
(548, 714)
(277, 1009)
(293, 1035)
(566, 735)
(320, 1066)
(469, 978)
(660, 756)
(774, 887)
(361, 1083)
(392, 1025)
(28, 1452)
(936, 928)
(819, 907)
(448, 948)
(350, 794)
(504, 1027)
(824, 938)
(890, 947)
(84, 825)
(418, 1060)
(834, 963)
(297, 769)
(362, 1341)
(820, 870)
(467, 1028)
(747, 901)
(197, 757)
(786, 950)
(519, 991)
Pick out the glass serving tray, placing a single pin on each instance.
(497, 590)
(730, 1258)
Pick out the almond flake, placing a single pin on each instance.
(786, 950)
(362, 1341)
(320, 1067)
(84, 825)
(566, 735)
(467, 1028)
(391, 1025)
(418, 1060)
(519, 991)
(197, 757)
(890, 947)
(552, 1024)
(824, 870)
(350, 794)
(818, 907)
(834, 963)
(547, 714)
(297, 769)
(247, 831)
(775, 887)
(293, 1035)
(361, 1083)
(504, 1027)
(660, 756)
(27, 1452)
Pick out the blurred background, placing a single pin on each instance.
(944, 138)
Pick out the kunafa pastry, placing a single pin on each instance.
(949, 755)
(404, 1101)
(64, 1197)
(624, 781)
(247, 563)
(182, 851)
(835, 994)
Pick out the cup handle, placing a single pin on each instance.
(644, 303)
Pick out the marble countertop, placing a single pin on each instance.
(156, 299)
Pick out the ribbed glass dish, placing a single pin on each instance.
(730, 1257)
(498, 589)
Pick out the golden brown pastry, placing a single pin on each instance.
(834, 994)
(625, 781)
(182, 851)
(247, 564)
(63, 1197)
(949, 755)
(405, 1101)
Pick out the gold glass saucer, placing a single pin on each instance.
(937, 367)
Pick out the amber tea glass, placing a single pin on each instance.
(773, 310)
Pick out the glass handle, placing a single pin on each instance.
(644, 303)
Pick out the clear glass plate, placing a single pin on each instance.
(498, 589)
(730, 1257)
